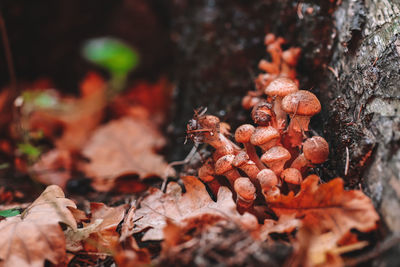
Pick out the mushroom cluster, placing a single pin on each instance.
(273, 156)
(283, 64)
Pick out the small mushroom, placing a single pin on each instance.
(292, 178)
(279, 88)
(263, 115)
(301, 105)
(224, 167)
(243, 135)
(207, 129)
(265, 137)
(267, 179)
(315, 151)
(275, 158)
(246, 194)
(243, 162)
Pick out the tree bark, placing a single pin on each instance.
(365, 105)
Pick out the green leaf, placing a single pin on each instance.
(31, 151)
(9, 213)
(111, 54)
(40, 99)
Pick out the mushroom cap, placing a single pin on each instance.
(316, 149)
(292, 176)
(263, 135)
(222, 151)
(245, 188)
(262, 113)
(224, 164)
(244, 133)
(267, 178)
(275, 154)
(209, 121)
(240, 159)
(302, 102)
(281, 87)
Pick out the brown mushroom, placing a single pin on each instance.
(267, 180)
(292, 178)
(246, 194)
(243, 135)
(265, 137)
(207, 130)
(301, 105)
(315, 151)
(279, 88)
(275, 158)
(243, 162)
(224, 167)
(263, 115)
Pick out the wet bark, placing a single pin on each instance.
(365, 105)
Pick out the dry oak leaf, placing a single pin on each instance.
(100, 234)
(123, 146)
(35, 235)
(53, 167)
(327, 207)
(194, 208)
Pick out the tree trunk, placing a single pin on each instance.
(350, 59)
(365, 105)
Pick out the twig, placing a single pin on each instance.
(346, 167)
(180, 162)
(387, 244)
(7, 51)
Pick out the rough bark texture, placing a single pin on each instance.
(365, 104)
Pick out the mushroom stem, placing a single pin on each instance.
(279, 113)
(244, 205)
(220, 140)
(251, 152)
(231, 175)
(277, 167)
(300, 163)
(246, 194)
(299, 123)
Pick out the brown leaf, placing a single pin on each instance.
(99, 235)
(77, 117)
(120, 147)
(194, 208)
(327, 207)
(53, 167)
(35, 235)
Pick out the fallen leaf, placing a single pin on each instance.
(124, 146)
(287, 223)
(327, 207)
(194, 208)
(53, 167)
(100, 234)
(77, 117)
(35, 235)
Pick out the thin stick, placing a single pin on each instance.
(180, 162)
(7, 51)
(346, 167)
